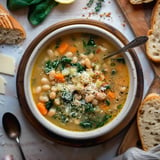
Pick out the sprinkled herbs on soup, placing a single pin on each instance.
(74, 88)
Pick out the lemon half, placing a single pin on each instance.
(65, 1)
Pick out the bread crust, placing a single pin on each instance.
(153, 43)
(152, 101)
(140, 1)
(9, 23)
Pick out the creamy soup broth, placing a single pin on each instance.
(74, 88)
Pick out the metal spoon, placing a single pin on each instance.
(136, 42)
(12, 128)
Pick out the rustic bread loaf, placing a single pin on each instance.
(140, 1)
(153, 43)
(148, 120)
(11, 32)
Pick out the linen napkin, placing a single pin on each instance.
(139, 154)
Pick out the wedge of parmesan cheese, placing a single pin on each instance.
(7, 64)
(2, 85)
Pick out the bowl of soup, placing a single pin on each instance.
(71, 90)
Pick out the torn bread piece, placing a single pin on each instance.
(148, 121)
(11, 31)
(140, 1)
(153, 43)
(7, 64)
(2, 85)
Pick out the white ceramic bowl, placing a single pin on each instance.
(118, 122)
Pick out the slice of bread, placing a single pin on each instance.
(153, 43)
(148, 121)
(11, 31)
(140, 1)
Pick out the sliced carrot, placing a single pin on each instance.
(63, 48)
(98, 50)
(42, 108)
(111, 94)
(104, 107)
(59, 77)
(72, 49)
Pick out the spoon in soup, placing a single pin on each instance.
(13, 130)
(136, 42)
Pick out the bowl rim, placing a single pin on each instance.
(66, 23)
(28, 91)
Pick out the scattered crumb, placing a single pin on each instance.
(2, 85)
(90, 11)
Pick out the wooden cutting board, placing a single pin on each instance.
(139, 17)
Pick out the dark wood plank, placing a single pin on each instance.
(139, 18)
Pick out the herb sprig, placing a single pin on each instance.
(98, 4)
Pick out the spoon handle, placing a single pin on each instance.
(136, 42)
(20, 148)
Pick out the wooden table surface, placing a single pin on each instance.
(36, 147)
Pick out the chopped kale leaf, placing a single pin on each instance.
(86, 124)
(79, 67)
(49, 104)
(89, 107)
(50, 65)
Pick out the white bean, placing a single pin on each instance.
(91, 55)
(57, 101)
(100, 96)
(77, 96)
(87, 63)
(97, 67)
(75, 59)
(52, 95)
(51, 74)
(71, 87)
(51, 112)
(46, 87)
(83, 56)
(102, 77)
(82, 62)
(69, 54)
(44, 80)
(43, 98)
(89, 98)
(50, 53)
(53, 88)
(94, 102)
(37, 90)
